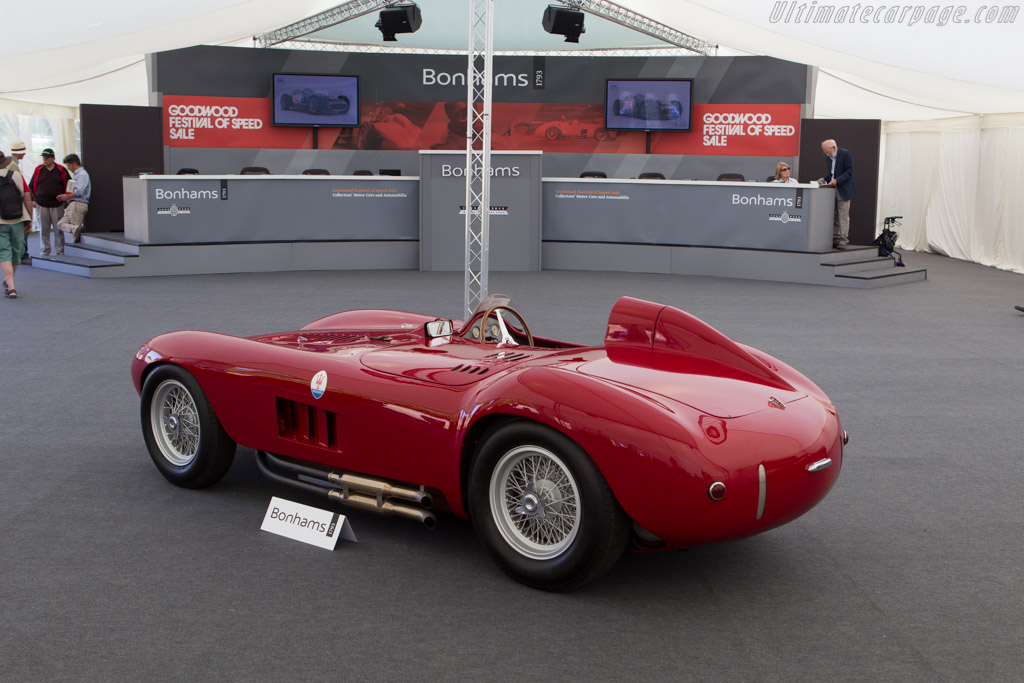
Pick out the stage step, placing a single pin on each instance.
(111, 255)
(71, 263)
(102, 255)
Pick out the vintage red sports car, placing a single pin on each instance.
(669, 435)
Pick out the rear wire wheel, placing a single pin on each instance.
(542, 508)
(184, 437)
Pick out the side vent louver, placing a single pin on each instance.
(307, 424)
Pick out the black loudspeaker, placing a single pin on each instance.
(563, 21)
(399, 19)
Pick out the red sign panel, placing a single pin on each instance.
(770, 130)
(221, 122)
(755, 130)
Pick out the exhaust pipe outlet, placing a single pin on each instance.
(387, 507)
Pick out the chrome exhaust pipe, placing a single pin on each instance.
(353, 489)
(380, 488)
(387, 507)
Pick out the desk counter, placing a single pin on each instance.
(769, 216)
(198, 209)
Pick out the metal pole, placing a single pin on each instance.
(479, 87)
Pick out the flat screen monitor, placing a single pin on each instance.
(659, 104)
(315, 100)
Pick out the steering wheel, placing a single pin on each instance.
(498, 332)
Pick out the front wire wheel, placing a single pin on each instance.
(175, 421)
(543, 509)
(183, 435)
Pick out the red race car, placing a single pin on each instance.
(669, 435)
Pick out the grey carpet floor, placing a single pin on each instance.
(911, 569)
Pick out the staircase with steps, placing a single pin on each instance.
(862, 267)
(111, 255)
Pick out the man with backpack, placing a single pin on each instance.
(50, 180)
(14, 212)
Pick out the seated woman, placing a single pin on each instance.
(783, 173)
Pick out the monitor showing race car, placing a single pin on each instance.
(315, 100)
(656, 104)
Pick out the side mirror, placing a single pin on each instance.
(439, 328)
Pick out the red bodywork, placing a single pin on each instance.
(665, 408)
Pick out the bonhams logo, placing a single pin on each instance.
(434, 77)
(173, 210)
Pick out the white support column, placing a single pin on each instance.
(478, 150)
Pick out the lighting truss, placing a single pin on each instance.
(317, 22)
(333, 46)
(638, 22)
(478, 151)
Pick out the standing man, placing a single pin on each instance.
(839, 174)
(14, 205)
(49, 180)
(77, 199)
(18, 151)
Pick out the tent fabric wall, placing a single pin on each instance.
(20, 115)
(958, 185)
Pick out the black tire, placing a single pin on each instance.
(183, 435)
(345, 104)
(315, 104)
(552, 133)
(617, 107)
(286, 102)
(569, 533)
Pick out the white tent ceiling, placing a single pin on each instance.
(890, 70)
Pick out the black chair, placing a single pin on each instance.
(593, 174)
(144, 171)
(363, 171)
(188, 171)
(316, 171)
(771, 179)
(255, 170)
(734, 177)
(651, 176)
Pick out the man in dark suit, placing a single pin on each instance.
(839, 174)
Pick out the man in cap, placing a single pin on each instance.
(18, 151)
(49, 181)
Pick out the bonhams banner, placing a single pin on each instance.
(756, 130)
(221, 122)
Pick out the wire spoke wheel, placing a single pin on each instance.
(175, 421)
(187, 442)
(535, 502)
(543, 509)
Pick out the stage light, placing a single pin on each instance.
(399, 19)
(563, 21)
